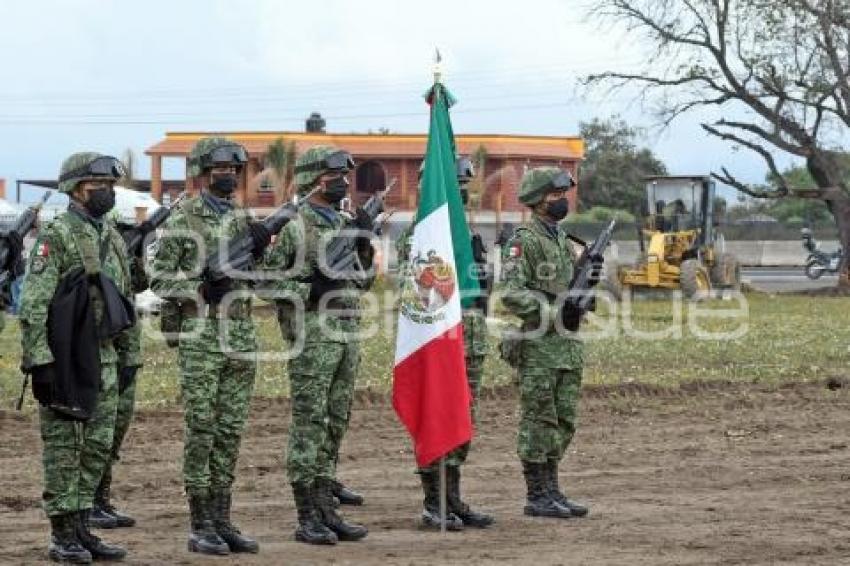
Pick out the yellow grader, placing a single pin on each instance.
(678, 242)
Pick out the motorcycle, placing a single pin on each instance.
(819, 262)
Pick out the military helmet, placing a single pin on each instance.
(463, 166)
(465, 170)
(88, 165)
(318, 160)
(540, 181)
(211, 151)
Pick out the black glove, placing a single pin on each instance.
(570, 317)
(43, 377)
(321, 285)
(126, 377)
(261, 237)
(365, 252)
(214, 291)
(363, 221)
(596, 265)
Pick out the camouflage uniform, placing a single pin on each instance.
(217, 358)
(322, 376)
(539, 258)
(217, 352)
(538, 264)
(75, 453)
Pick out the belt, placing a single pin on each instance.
(240, 310)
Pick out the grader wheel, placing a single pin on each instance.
(726, 272)
(693, 279)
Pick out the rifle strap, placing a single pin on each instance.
(577, 240)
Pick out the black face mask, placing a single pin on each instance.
(224, 184)
(336, 189)
(558, 209)
(464, 196)
(100, 201)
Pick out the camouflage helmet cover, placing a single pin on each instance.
(305, 180)
(75, 161)
(540, 181)
(204, 146)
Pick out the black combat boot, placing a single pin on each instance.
(345, 495)
(457, 506)
(64, 545)
(236, 541)
(576, 509)
(103, 514)
(330, 518)
(310, 528)
(538, 502)
(431, 505)
(98, 549)
(202, 535)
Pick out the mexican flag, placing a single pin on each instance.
(430, 391)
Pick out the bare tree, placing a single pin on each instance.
(781, 68)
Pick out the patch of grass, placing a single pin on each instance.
(786, 338)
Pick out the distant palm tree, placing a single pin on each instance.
(280, 167)
(477, 185)
(129, 161)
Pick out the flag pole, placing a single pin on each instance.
(438, 71)
(443, 504)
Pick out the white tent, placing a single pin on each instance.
(126, 201)
(9, 210)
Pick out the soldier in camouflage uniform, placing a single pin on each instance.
(75, 452)
(217, 345)
(459, 514)
(322, 376)
(538, 266)
(104, 515)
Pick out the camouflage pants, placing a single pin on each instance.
(474, 372)
(216, 391)
(76, 453)
(123, 417)
(548, 404)
(322, 386)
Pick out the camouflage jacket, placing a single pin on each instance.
(193, 232)
(474, 321)
(61, 247)
(537, 266)
(292, 262)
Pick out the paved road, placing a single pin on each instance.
(783, 279)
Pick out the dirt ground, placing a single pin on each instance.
(705, 474)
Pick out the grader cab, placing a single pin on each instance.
(678, 242)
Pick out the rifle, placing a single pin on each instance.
(134, 234)
(242, 249)
(580, 298)
(20, 229)
(483, 272)
(341, 256)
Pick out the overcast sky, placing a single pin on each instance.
(110, 75)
